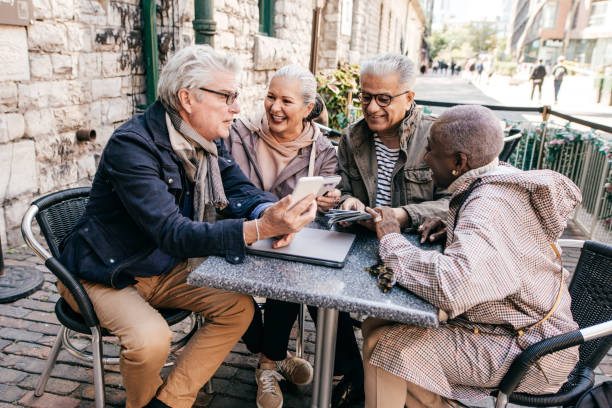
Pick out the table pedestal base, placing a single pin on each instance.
(19, 282)
(327, 324)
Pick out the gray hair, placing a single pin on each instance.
(473, 130)
(190, 68)
(308, 81)
(389, 64)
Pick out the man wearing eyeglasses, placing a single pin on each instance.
(381, 155)
(162, 178)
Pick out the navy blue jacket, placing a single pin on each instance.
(138, 219)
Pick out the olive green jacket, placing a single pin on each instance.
(412, 186)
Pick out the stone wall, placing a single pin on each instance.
(377, 26)
(77, 65)
(237, 33)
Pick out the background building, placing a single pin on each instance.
(581, 30)
(80, 64)
(590, 38)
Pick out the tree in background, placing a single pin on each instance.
(482, 36)
(464, 42)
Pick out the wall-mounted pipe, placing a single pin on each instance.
(86, 135)
(204, 23)
(150, 51)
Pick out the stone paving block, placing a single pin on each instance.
(54, 385)
(48, 400)
(44, 328)
(21, 363)
(10, 333)
(12, 311)
(246, 376)
(113, 396)
(4, 343)
(240, 390)
(113, 379)
(10, 376)
(10, 393)
(28, 349)
(35, 305)
(72, 372)
(44, 317)
(203, 400)
(226, 372)
(14, 323)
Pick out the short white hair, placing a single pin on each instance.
(470, 129)
(190, 68)
(389, 64)
(307, 81)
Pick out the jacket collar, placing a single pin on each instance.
(155, 119)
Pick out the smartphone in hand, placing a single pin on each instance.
(316, 185)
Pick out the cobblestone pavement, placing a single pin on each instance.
(28, 328)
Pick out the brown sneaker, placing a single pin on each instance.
(296, 370)
(269, 394)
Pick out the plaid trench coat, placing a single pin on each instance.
(497, 274)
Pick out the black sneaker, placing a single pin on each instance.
(347, 392)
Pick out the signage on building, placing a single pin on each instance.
(553, 43)
(15, 12)
(347, 17)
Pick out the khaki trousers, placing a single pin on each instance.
(145, 337)
(385, 390)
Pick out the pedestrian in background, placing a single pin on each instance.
(558, 73)
(537, 78)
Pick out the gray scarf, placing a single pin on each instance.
(199, 158)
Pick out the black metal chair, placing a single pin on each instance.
(510, 143)
(57, 214)
(591, 292)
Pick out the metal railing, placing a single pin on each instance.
(582, 156)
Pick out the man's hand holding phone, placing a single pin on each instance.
(285, 218)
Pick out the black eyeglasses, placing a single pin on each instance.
(381, 99)
(230, 98)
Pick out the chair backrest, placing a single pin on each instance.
(591, 292)
(510, 143)
(58, 213)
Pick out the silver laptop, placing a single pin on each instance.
(315, 246)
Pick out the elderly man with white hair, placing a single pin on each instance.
(161, 180)
(499, 281)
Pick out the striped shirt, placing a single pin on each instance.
(386, 159)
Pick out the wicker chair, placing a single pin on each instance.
(57, 214)
(591, 292)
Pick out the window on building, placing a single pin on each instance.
(598, 13)
(549, 15)
(266, 17)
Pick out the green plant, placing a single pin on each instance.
(339, 89)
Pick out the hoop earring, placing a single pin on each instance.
(455, 173)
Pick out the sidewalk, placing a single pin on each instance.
(576, 98)
(28, 328)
